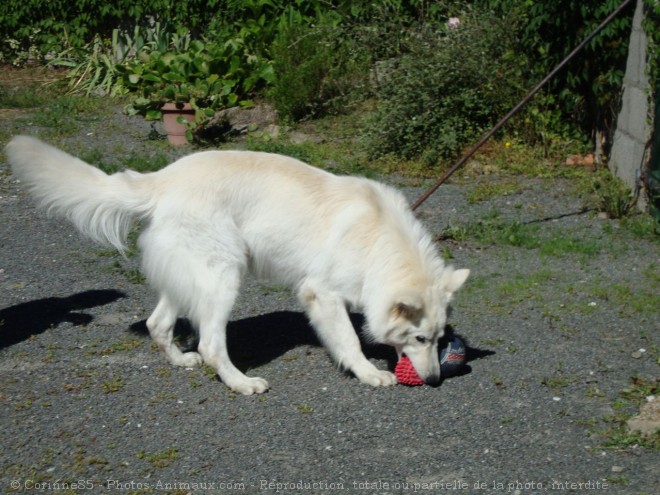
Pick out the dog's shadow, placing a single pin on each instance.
(258, 340)
(252, 342)
(22, 321)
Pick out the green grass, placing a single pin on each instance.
(608, 193)
(29, 88)
(524, 286)
(141, 163)
(99, 159)
(120, 265)
(126, 344)
(25, 97)
(508, 157)
(639, 389)
(561, 245)
(495, 232)
(486, 190)
(133, 275)
(557, 382)
(631, 297)
(642, 226)
(209, 372)
(66, 115)
(46, 105)
(652, 273)
(319, 154)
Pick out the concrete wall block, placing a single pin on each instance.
(635, 63)
(627, 152)
(633, 130)
(638, 113)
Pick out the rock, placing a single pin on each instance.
(581, 160)
(272, 130)
(648, 419)
(300, 138)
(236, 120)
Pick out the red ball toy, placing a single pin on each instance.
(452, 358)
(406, 374)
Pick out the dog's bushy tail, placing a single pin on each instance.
(103, 207)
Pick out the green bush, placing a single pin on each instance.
(450, 86)
(316, 68)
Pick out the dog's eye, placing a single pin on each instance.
(421, 340)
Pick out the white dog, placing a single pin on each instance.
(210, 216)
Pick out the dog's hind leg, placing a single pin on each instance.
(161, 328)
(199, 267)
(212, 315)
(327, 313)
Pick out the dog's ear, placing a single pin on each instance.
(407, 306)
(452, 280)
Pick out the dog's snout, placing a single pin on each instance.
(433, 380)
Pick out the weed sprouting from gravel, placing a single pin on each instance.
(114, 384)
(160, 459)
(305, 409)
(611, 431)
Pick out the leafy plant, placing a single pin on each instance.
(207, 75)
(97, 66)
(91, 69)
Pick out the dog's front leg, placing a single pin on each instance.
(327, 313)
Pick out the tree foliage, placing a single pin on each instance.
(587, 90)
(320, 49)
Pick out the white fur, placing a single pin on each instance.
(210, 216)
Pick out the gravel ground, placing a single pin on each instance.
(88, 404)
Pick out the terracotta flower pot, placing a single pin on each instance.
(176, 133)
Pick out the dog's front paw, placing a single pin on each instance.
(250, 385)
(378, 378)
